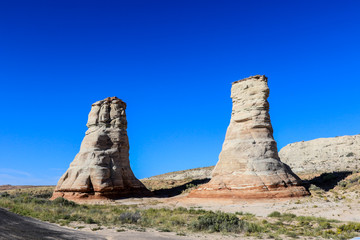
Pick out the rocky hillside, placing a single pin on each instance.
(323, 155)
(178, 178)
(195, 173)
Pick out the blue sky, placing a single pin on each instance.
(172, 62)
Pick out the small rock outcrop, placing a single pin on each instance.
(323, 155)
(101, 169)
(249, 165)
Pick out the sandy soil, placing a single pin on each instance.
(347, 209)
(307, 206)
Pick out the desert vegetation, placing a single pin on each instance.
(33, 202)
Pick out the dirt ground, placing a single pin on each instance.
(329, 199)
(343, 210)
(335, 196)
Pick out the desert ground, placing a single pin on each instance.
(334, 202)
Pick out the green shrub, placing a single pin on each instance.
(4, 194)
(325, 225)
(223, 222)
(350, 154)
(291, 234)
(89, 220)
(342, 184)
(288, 216)
(129, 217)
(350, 227)
(275, 214)
(63, 202)
(190, 185)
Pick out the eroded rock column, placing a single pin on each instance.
(101, 169)
(249, 165)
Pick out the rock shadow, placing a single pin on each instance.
(174, 191)
(328, 181)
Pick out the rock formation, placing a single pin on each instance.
(323, 155)
(249, 165)
(101, 169)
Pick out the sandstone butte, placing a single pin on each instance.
(101, 169)
(249, 166)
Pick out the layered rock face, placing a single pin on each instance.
(249, 165)
(323, 155)
(102, 169)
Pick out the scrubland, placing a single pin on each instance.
(162, 215)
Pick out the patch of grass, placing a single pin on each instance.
(223, 222)
(350, 227)
(96, 229)
(129, 217)
(275, 214)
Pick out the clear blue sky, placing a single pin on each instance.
(172, 62)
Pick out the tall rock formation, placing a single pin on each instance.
(101, 169)
(249, 165)
(323, 155)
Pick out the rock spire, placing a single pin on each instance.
(101, 169)
(249, 165)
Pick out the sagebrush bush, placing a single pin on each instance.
(350, 227)
(223, 222)
(63, 202)
(129, 217)
(275, 214)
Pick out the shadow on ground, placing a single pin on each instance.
(13, 226)
(174, 191)
(328, 181)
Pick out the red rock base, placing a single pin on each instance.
(82, 197)
(283, 192)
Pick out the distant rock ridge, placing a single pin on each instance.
(323, 155)
(101, 169)
(194, 173)
(249, 165)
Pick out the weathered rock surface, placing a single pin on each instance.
(249, 165)
(323, 155)
(101, 169)
(193, 174)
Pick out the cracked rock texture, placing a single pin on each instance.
(101, 169)
(249, 165)
(323, 155)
